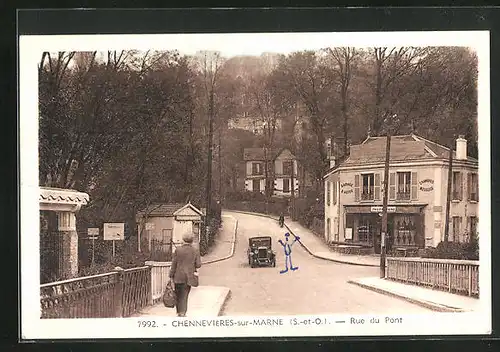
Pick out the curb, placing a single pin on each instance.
(302, 244)
(426, 304)
(224, 302)
(232, 246)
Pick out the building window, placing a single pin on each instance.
(256, 185)
(404, 186)
(457, 186)
(473, 187)
(365, 229)
(364, 233)
(367, 190)
(328, 183)
(286, 185)
(256, 169)
(328, 228)
(405, 230)
(456, 224)
(287, 168)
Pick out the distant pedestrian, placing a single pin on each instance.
(185, 262)
(281, 220)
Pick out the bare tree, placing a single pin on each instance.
(344, 60)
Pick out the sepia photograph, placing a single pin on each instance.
(189, 185)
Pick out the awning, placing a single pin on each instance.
(391, 209)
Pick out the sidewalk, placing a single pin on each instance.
(317, 247)
(204, 301)
(223, 247)
(432, 299)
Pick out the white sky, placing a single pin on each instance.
(232, 44)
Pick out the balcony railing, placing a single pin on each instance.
(403, 195)
(367, 193)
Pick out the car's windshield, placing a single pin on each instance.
(261, 242)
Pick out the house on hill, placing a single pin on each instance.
(282, 171)
(418, 178)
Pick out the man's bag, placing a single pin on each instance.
(169, 297)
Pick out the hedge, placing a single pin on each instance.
(454, 250)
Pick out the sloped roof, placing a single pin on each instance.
(160, 209)
(404, 147)
(191, 206)
(259, 154)
(253, 154)
(166, 209)
(64, 196)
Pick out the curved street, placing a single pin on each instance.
(317, 287)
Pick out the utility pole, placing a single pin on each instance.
(209, 162)
(448, 196)
(220, 164)
(384, 206)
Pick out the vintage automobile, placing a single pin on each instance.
(260, 252)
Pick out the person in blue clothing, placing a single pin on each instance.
(287, 247)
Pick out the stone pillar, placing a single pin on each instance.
(68, 258)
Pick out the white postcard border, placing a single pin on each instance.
(30, 49)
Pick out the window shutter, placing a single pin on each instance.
(356, 188)
(334, 184)
(376, 187)
(392, 185)
(460, 186)
(414, 186)
(328, 192)
(469, 186)
(460, 233)
(476, 186)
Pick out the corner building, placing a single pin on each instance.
(418, 180)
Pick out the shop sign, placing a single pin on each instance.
(348, 233)
(346, 187)
(379, 209)
(426, 185)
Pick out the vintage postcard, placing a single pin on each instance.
(255, 185)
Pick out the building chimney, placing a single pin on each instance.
(461, 148)
(332, 161)
(330, 151)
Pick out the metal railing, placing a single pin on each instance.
(159, 279)
(117, 294)
(403, 195)
(455, 276)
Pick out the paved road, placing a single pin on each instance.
(318, 287)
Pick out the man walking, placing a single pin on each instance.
(185, 262)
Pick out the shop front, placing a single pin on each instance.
(405, 226)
